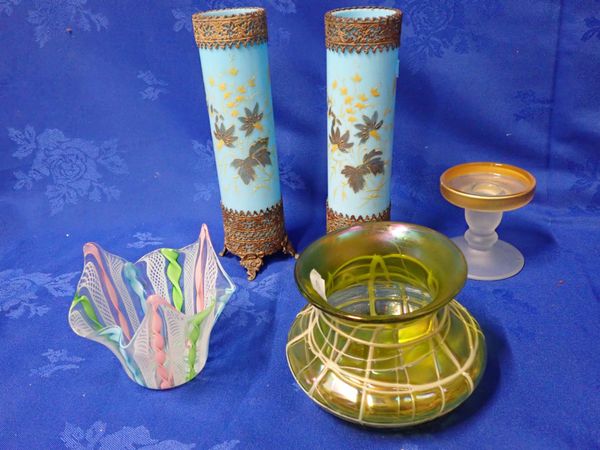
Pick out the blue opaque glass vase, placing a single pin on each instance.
(362, 64)
(235, 68)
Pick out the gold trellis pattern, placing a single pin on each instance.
(365, 34)
(362, 374)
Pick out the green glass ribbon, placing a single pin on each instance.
(195, 324)
(88, 309)
(174, 272)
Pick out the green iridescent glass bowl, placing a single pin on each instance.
(382, 341)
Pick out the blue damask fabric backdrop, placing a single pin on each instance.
(104, 136)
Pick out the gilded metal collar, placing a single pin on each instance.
(369, 34)
(230, 27)
(338, 221)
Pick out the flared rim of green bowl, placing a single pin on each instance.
(454, 279)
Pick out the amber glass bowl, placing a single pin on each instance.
(382, 341)
(492, 187)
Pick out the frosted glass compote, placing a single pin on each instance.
(486, 190)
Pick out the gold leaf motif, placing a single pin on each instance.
(369, 127)
(251, 120)
(258, 155)
(372, 164)
(339, 141)
(355, 176)
(224, 136)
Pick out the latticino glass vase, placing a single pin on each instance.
(382, 342)
(155, 315)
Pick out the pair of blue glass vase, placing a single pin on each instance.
(362, 67)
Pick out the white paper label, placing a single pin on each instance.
(318, 283)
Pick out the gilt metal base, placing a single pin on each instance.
(337, 221)
(253, 235)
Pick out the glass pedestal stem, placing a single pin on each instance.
(488, 258)
(481, 234)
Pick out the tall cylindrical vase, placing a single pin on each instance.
(362, 67)
(235, 69)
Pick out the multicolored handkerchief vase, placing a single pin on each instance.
(156, 314)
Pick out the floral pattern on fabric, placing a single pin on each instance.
(73, 167)
(249, 306)
(587, 185)
(435, 27)
(19, 291)
(532, 106)
(145, 239)
(7, 6)
(154, 86)
(97, 437)
(227, 445)
(58, 361)
(53, 17)
(592, 24)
